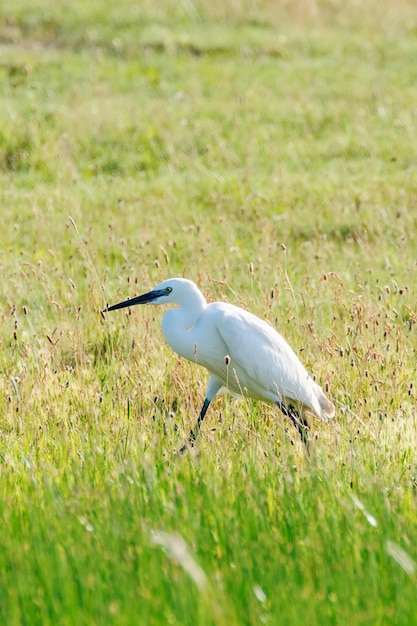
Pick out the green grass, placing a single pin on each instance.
(265, 150)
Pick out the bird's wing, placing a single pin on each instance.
(261, 359)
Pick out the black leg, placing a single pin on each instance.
(195, 431)
(299, 421)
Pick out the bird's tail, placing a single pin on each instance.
(326, 409)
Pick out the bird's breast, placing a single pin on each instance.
(178, 336)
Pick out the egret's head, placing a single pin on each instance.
(171, 291)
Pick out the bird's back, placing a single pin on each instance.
(260, 362)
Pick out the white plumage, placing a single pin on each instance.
(243, 353)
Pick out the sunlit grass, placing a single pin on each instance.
(266, 151)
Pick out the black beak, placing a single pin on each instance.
(145, 298)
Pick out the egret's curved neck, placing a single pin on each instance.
(177, 323)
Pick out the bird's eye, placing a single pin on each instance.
(168, 289)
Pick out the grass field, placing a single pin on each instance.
(267, 151)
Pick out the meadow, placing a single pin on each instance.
(267, 151)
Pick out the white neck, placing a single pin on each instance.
(177, 323)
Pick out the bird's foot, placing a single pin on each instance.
(190, 443)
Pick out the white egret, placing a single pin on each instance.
(242, 353)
